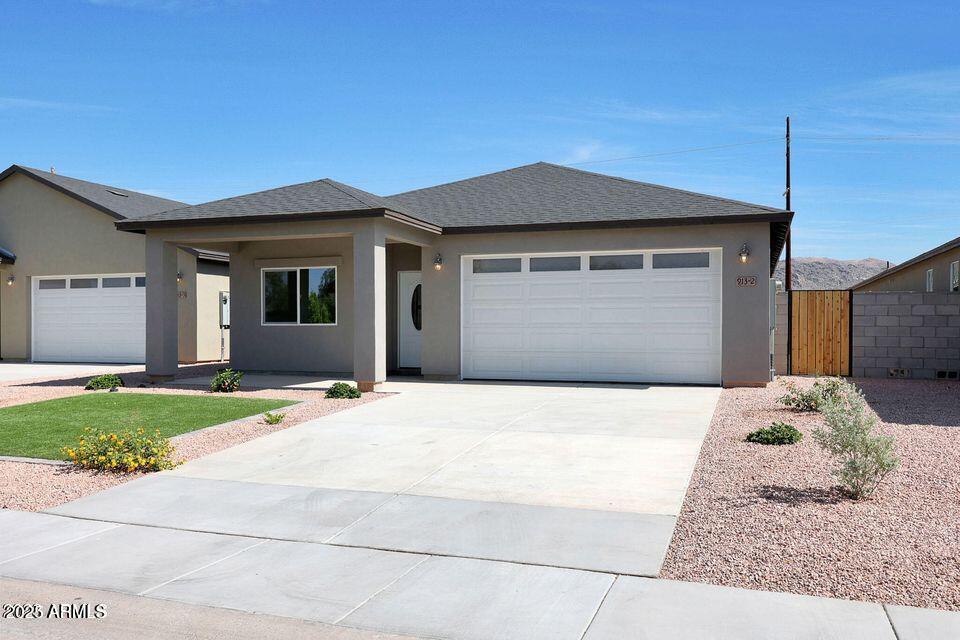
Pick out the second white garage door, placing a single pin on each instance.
(98, 318)
(647, 316)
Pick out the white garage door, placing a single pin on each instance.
(647, 316)
(98, 318)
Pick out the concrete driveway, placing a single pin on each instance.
(463, 511)
(15, 371)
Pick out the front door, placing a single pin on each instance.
(409, 321)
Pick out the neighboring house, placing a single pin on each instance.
(73, 286)
(936, 271)
(541, 272)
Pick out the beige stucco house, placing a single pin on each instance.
(934, 271)
(72, 287)
(541, 272)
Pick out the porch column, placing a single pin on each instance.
(369, 306)
(162, 320)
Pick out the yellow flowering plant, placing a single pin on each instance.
(127, 451)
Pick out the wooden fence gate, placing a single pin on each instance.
(820, 328)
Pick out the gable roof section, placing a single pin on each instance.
(946, 246)
(544, 195)
(320, 199)
(114, 201)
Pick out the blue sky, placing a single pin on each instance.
(197, 100)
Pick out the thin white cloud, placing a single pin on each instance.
(7, 102)
(618, 110)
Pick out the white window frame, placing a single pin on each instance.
(928, 281)
(336, 297)
(955, 275)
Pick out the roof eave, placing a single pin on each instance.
(783, 216)
(139, 225)
(932, 253)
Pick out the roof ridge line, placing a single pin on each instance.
(339, 186)
(482, 175)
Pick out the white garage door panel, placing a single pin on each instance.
(631, 325)
(89, 325)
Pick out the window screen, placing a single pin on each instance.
(280, 296)
(609, 263)
(318, 296)
(557, 263)
(496, 265)
(681, 260)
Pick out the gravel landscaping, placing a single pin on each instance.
(770, 517)
(33, 487)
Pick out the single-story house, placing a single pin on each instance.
(541, 272)
(73, 287)
(934, 271)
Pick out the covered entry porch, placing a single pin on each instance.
(312, 296)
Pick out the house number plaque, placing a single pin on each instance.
(747, 281)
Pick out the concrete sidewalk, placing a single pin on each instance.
(417, 595)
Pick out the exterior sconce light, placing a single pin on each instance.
(744, 253)
(10, 280)
(438, 262)
(179, 277)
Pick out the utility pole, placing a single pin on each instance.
(788, 270)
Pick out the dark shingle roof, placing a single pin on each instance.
(7, 257)
(549, 194)
(946, 246)
(313, 199)
(117, 202)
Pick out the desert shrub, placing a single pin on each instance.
(342, 390)
(864, 458)
(776, 433)
(273, 418)
(106, 381)
(226, 381)
(127, 451)
(814, 398)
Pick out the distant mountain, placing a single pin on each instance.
(827, 273)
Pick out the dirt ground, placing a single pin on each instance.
(771, 517)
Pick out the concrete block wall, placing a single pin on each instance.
(781, 333)
(916, 332)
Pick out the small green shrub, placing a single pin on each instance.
(864, 458)
(342, 390)
(106, 381)
(814, 398)
(125, 452)
(776, 433)
(226, 381)
(273, 418)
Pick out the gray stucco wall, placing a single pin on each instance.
(916, 332)
(746, 311)
(305, 348)
(289, 348)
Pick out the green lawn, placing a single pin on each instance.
(40, 429)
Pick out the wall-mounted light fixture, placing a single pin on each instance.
(438, 262)
(179, 277)
(744, 253)
(11, 279)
